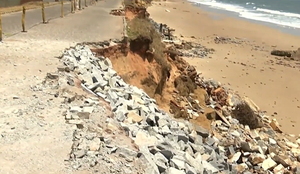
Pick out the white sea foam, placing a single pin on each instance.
(253, 13)
(279, 12)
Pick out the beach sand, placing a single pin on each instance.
(248, 67)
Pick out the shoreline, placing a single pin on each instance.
(282, 28)
(246, 66)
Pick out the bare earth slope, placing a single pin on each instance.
(31, 123)
(246, 66)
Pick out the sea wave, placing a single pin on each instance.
(279, 12)
(250, 11)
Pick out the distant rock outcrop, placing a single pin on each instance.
(294, 55)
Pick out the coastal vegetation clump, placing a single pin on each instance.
(146, 41)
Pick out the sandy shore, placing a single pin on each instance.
(247, 67)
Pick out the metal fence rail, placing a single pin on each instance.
(11, 3)
(12, 24)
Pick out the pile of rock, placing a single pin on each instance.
(192, 49)
(164, 144)
(293, 55)
(227, 40)
(167, 145)
(184, 48)
(117, 12)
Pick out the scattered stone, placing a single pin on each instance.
(268, 164)
(256, 158)
(173, 170)
(144, 139)
(241, 167)
(133, 117)
(279, 169)
(201, 131)
(164, 144)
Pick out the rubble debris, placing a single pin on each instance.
(117, 12)
(180, 47)
(293, 55)
(227, 40)
(164, 143)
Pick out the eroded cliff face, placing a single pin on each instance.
(213, 129)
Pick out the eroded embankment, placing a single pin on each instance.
(157, 68)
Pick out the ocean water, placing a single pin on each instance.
(285, 13)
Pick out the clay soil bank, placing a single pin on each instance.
(244, 63)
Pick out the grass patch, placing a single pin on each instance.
(137, 3)
(143, 29)
(246, 116)
(143, 37)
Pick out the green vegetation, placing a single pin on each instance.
(143, 29)
(137, 3)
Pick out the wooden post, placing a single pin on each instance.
(0, 28)
(23, 19)
(43, 13)
(62, 8)
(85, 3)
(160, 27)
(72, 6)
(75, 5)
(79, 4)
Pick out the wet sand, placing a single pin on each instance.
(245, 66)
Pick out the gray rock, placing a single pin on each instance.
(173, 170)
(209, 167)
(189, 149)
(151, 166)
(165, 130)
(68, 116)
(189, 169)
(94, 86)
(120, 116)
(162, 122)
(194, 162)
(280, 160)
(88, 109)
(172, 138)
(127, 151)
(167, 153)
(75, 109)
(212, 157)
(177, 163)
(245, 146)
(80, 153)
(174, 126)
(210, 141)
(103, 65)
(230, 151)
(182, 145)
(183, 137)
(201, 131)
(197, 139)
(160, 157)
(77, 122)
(144, 139)
(83, 115)
(297, 170)
(161, 166)
(197, 148)
(152, 120)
